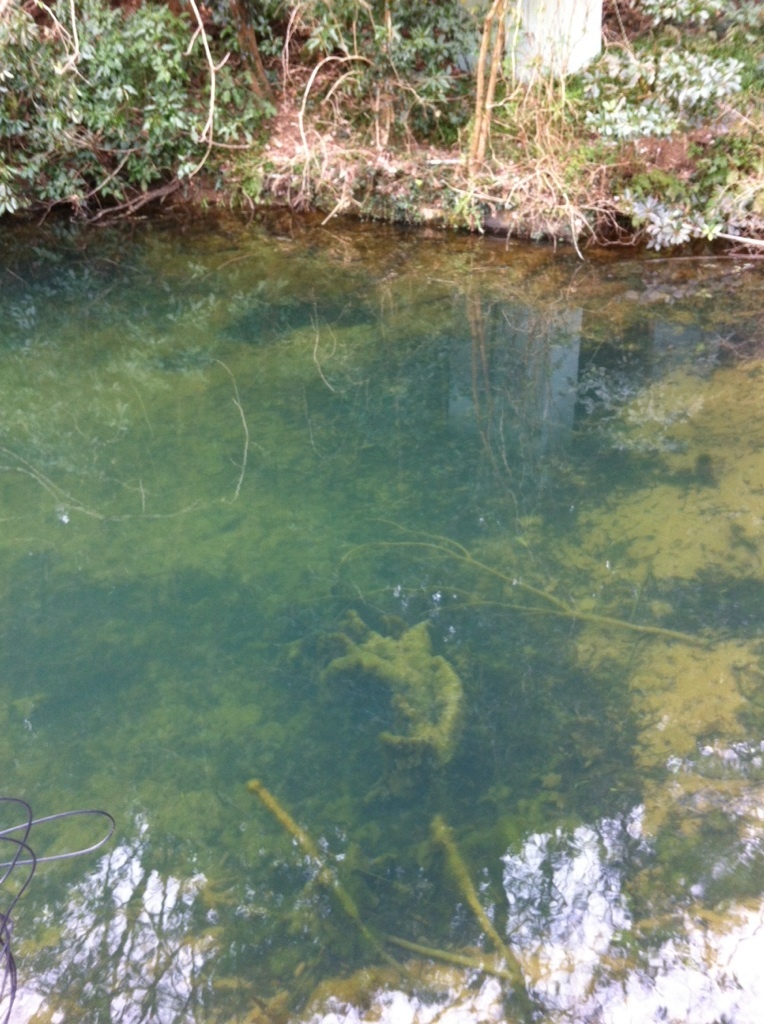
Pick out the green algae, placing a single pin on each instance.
(427, 694)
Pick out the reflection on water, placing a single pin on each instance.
(126, 941)
(456, 549)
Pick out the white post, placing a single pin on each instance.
(557, 36)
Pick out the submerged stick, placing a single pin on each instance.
(325, 875)
(472, 963)
(443, 836)
(285, 819)
(245, 428)
(451, 549)
(510, 972)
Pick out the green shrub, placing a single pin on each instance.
(113, 110)
(414, 56)
(636, 95)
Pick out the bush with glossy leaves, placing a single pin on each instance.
(107, 106)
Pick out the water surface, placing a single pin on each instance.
(457, 550)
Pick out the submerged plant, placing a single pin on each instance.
(540, 601)
(426, 691)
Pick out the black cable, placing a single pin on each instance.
(23, 863)
(27, 826)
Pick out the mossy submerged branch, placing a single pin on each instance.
(443, 837)
(509, 971)
(326, 876)
(452, 550)
(446, 956)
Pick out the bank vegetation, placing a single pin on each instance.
(402, 110)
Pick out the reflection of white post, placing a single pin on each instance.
(560, 36)
(559, 405)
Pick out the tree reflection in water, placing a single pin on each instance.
(126, 944)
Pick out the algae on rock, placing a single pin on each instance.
(426, 691)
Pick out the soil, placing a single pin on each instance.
(326, 167)
(317, 162)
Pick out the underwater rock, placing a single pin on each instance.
(426, 691)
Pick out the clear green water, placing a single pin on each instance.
(241, 466)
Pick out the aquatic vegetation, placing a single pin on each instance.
(691, 422)
(427, 693)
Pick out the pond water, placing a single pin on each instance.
(401, 597)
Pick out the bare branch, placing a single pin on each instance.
(207, 134)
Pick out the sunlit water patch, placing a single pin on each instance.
(401, 598)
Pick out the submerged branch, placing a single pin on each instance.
(245, 429)
(325, 876)
(60, 495)
(69, 503)
(509, 969)
(443, 837)
(455, 552)
(447, 956)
